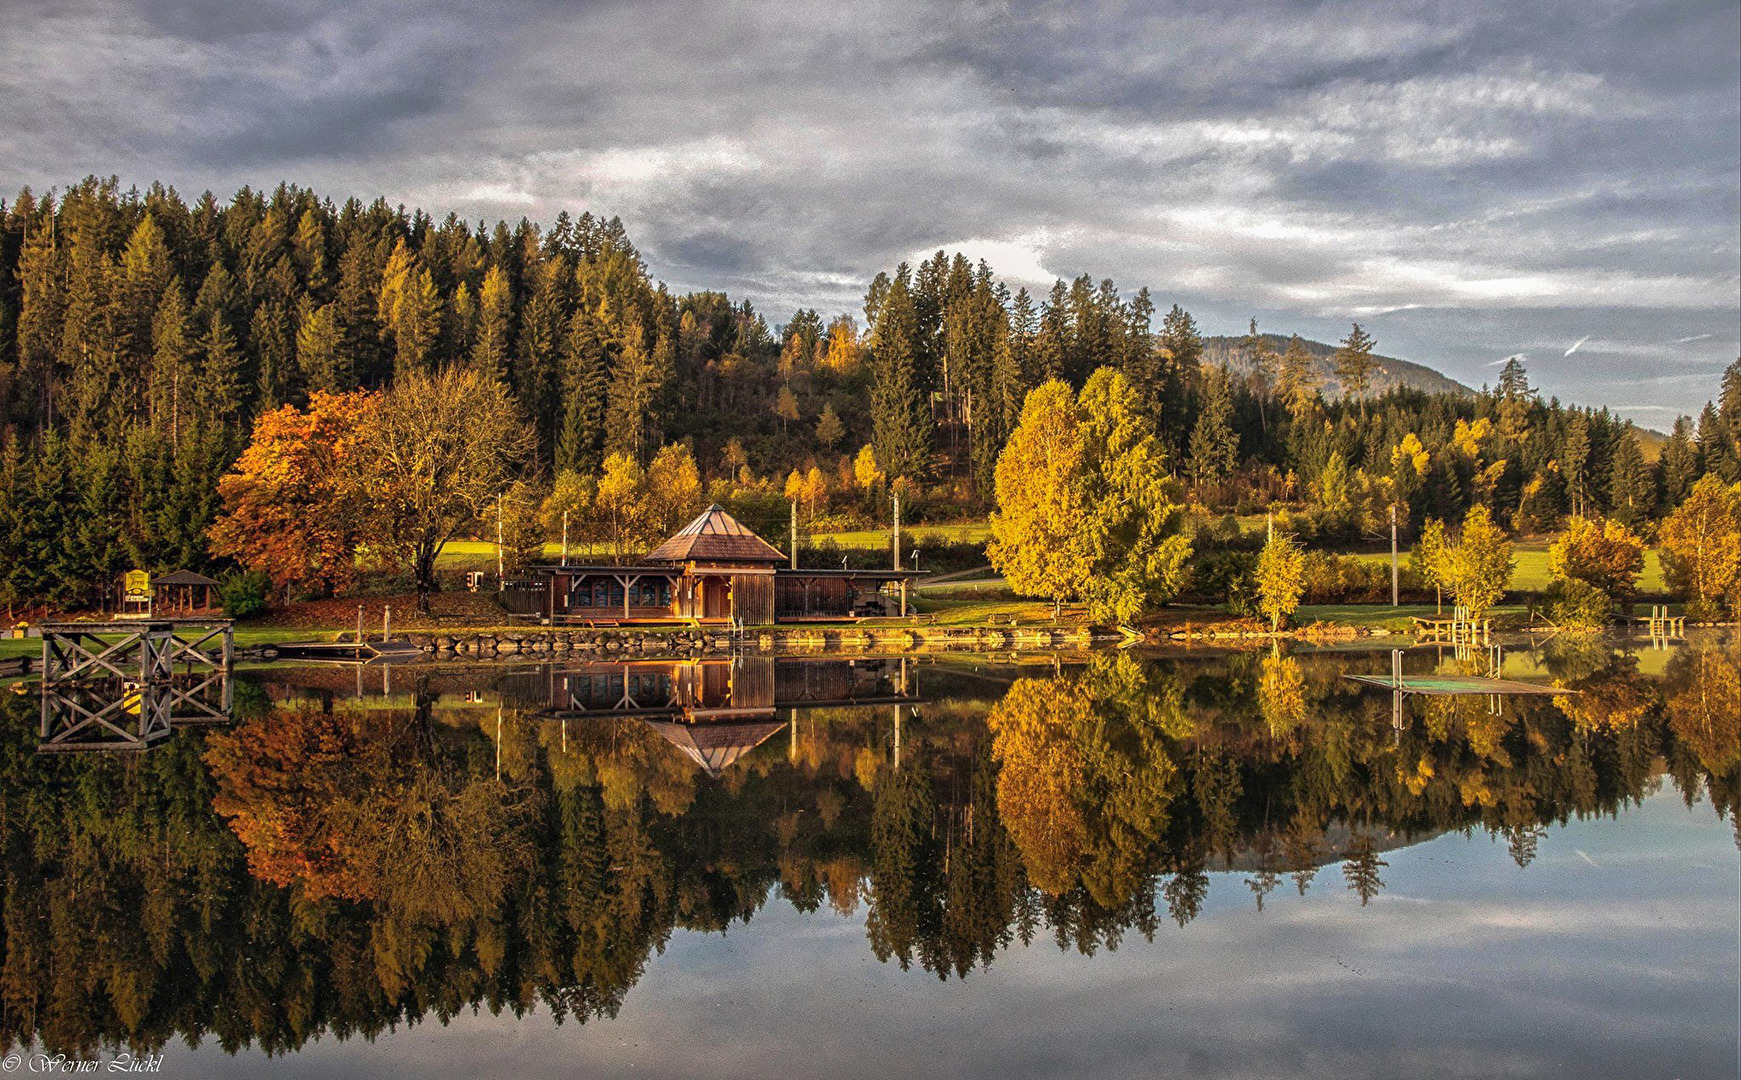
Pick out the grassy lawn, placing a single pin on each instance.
(245, 635)
(969, 532)
(1531, 574)
(978, 612)
(1383, 615)
(481, 554)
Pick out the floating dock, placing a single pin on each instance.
(343, 652)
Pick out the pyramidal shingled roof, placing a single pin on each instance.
(715, 746)
(716, 536)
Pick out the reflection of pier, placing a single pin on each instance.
(717, 709)
(1491, 685)
(114, 686)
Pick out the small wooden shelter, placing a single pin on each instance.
(713, 570)
(183, 592)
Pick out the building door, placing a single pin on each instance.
(716, 598)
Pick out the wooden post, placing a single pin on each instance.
(359, 627)
(386, 621)
(565, 538)
(499, 561)
(794, 534)
(1394, 593)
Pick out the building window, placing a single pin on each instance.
(616, 595)
(582, 593)
(599, 592)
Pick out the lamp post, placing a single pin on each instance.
(499, 562)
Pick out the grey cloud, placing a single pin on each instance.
(1469, 179)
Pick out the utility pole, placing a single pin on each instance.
(565, 538)
(1393, 569)
(499, 562)
(794, 534)
(897, 531)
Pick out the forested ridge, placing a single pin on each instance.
(141, 336)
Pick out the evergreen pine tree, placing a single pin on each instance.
(584, 389)
(1680, 463)
(495, 329)
(1214, 444)
(1631, 493)
(320, 351)
(537, 382)
(900, 417)
(635, 388)
(171, 355)
(357, 303)
(1354, 366)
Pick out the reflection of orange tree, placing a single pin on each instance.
(355, 806)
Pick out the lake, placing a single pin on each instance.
(1107, 865)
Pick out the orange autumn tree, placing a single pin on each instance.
(290, 506)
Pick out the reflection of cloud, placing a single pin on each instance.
(1465, 966)
(1463, 181)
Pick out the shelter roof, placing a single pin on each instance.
(716, 536)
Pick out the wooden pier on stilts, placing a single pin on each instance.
(115, 686)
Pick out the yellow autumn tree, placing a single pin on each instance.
(1593, 565)
(672, 491)
(1041, 498)
(865, 470)
(622, 516)
(1280, 579)
(1478, 563)
(1701, 548)
(1086, 508)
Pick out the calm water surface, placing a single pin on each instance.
(1240, 866)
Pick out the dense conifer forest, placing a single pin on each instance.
(141, 336)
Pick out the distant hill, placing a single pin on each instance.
(1388, 371)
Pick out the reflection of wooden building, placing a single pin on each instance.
(717, 709)
(714, 570)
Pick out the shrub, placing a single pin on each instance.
(1575, 603)
(1343, 579)
(1225, 577)
(244, 593)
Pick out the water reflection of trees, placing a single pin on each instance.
(341, 870)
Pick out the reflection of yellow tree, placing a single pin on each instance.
(1706, 715)
(1041, 775)
(1281, 693)
(1615, 697)
(1083, 791)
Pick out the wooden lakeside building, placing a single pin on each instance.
(712, 571)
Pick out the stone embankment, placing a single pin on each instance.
(637, 643)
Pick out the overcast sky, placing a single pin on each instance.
(1469, 179)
